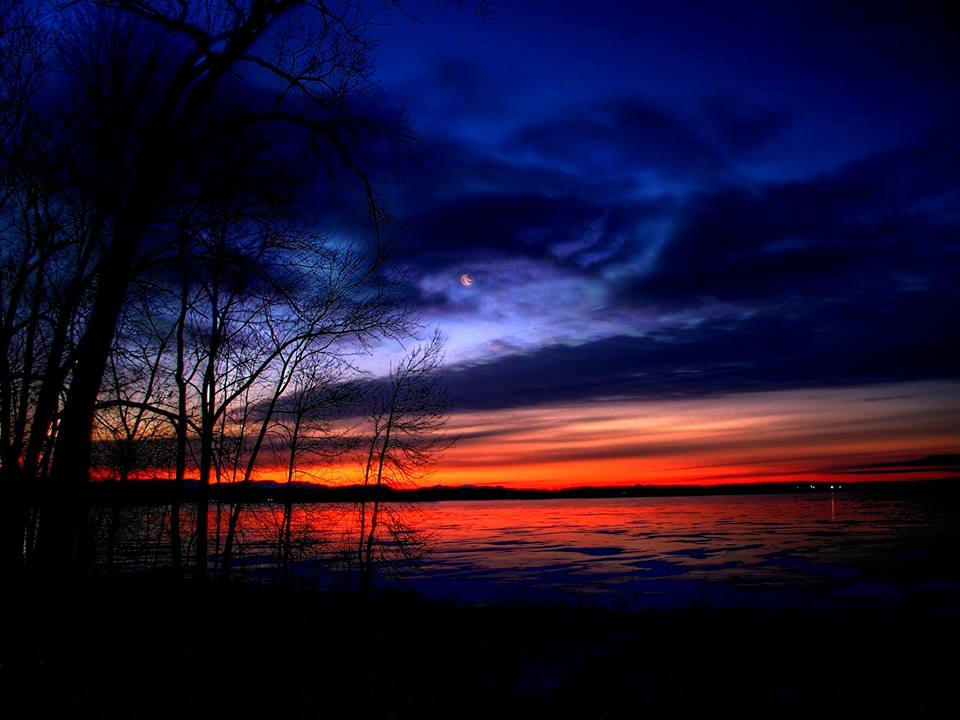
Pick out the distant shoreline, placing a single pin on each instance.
(139, 492)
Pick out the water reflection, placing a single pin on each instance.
(336, 545)
(817, 549)
(755, 550)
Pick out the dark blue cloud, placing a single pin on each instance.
(882, 227)
(565, 230)
(831, 344)
(631, 133)
(624, 133)
(766, 195)
(741, 128)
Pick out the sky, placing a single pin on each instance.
(707, 241)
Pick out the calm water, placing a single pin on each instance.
(820, 550)
(775, 550)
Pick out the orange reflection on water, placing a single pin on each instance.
(816, 548)
(842, 549)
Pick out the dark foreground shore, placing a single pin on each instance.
(136, 649)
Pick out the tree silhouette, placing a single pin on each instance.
(407, 416)
(169, 138)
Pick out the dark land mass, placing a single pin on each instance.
(141, 492)
(140, 648)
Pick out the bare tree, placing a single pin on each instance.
(307, 434)
(131, 433)
(163, 92)
(154, 151)
(48, 242)
(269, 300)
(406, 420)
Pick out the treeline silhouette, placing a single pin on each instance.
(193, 258)
(161, 491)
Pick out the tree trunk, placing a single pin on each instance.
(203, 506)
(13, 521)
(63, 540)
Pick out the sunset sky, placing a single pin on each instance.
(708, 242)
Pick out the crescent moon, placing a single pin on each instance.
(466, 280)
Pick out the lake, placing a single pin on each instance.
(849, 549)
(768, 550)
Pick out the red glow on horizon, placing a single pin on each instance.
(819, 436)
